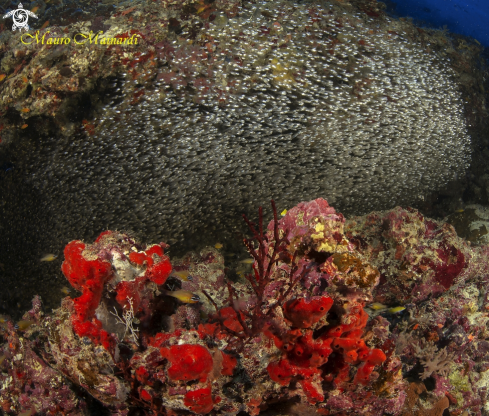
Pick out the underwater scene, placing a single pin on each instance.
(244, 207)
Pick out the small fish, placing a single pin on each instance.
(35, 9)
(184, 296)
(23, 325)
(25, 110)
(49, 257)
(396, 309)
(65, 290)
(45, 25)
(218, 245)
(377, 306)
(247, 261)
(3, 319)
(182, 275)
(2, 77)
(283, 212)
(25, 79)
(460, 210)
(24, 126)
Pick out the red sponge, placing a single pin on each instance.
(304, 313)
(188, 362)
(89, 277)
(199, 401)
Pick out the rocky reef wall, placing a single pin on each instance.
(218, 108)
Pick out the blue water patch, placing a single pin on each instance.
(466, 17)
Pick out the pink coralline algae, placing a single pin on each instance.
(296, 333)
(28, 383)
(417, 257)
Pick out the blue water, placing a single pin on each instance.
(466, 17)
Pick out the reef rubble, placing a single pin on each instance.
(296, 335)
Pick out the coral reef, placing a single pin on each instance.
(174, 133)
(298, 332)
